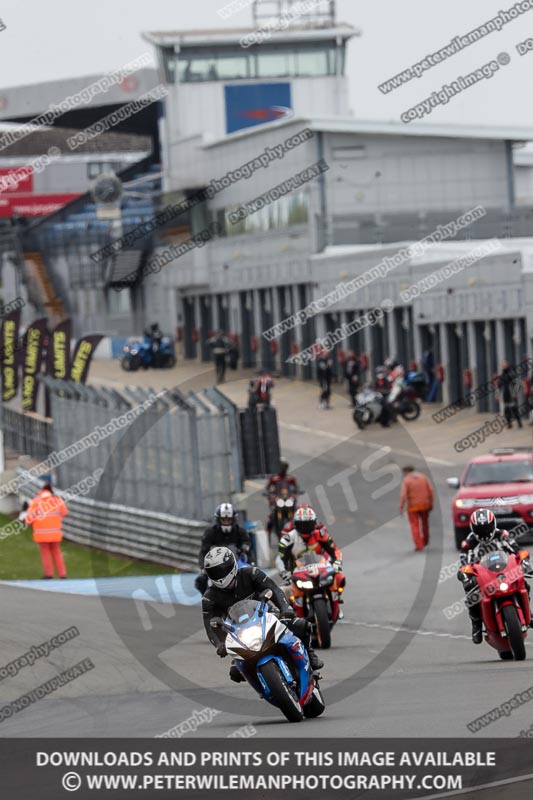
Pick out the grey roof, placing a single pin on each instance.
(377, 128)
(232, 35)
(40, 140)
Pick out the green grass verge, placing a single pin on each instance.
(20, 560)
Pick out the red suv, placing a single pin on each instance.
(501, 481)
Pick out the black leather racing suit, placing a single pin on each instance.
(251, 582)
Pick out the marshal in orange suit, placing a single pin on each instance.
(45, 514)
(417, 494)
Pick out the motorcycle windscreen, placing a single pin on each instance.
(495, 562)
(243, 611)
(309, 558)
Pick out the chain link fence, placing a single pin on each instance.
(180, 456)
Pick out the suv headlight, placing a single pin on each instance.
(526, 499)
(465, 503)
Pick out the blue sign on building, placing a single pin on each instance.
(248, 105)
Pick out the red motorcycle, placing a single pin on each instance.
(313, 575)
(259, 391)
(504, 601)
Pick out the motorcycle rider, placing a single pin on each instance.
(224, 532)
(483, 537)
(306, 533)
(229, 586)
(155, 336)
(263, 382)
(273, 487)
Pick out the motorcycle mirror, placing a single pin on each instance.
(453, 483)
(216, 622)
(266, 595)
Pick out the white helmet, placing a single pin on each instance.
(226, 513)
(221, 567)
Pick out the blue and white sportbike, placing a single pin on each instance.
(271, 658)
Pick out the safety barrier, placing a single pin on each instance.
(146, 535)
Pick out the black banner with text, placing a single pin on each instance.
(34, 340)
(296, 768)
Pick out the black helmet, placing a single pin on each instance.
(483, 524)
(221, 567)
(283, 466)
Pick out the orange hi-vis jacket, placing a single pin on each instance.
(416, 492)
(44, 514)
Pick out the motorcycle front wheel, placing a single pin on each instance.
(410, 411)
(322, 626)
(316, 706)
(284, 697)
(514, 633)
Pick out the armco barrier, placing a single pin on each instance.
(147, 535)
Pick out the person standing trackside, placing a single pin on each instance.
(417, 494)
(352, 375)
(45, 514)
(325, 376)
(509, 385)
(219, 347)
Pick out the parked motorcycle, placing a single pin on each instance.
(504, 601)
(259, 391)
(139, 353)
(403, 401)
(271, 658)
(369, 406)
(314, 575)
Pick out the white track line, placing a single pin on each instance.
(493, 785)
(373, 445)
(402, 629)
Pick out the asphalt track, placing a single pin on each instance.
(397, 667)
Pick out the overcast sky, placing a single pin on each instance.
(58, 39)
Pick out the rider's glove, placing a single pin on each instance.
(286, 576)
(337, 565)
(288, 614)
(221, 651)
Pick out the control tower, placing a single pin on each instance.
(290, 63)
